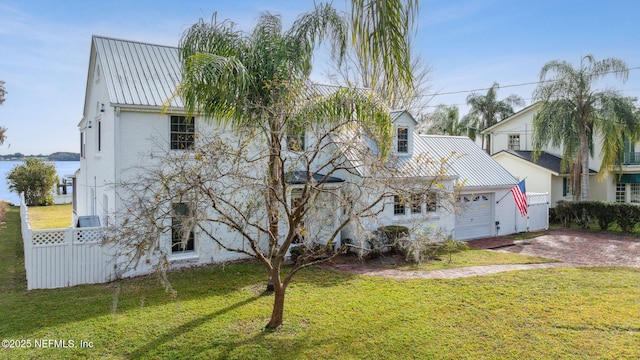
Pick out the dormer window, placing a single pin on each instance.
(403, 140)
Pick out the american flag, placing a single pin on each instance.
(520, 197)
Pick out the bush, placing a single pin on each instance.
(36, 178)
(427, 245)
(627, 216)
(583, 213)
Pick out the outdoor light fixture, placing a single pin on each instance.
(102, 108)
(89, 124)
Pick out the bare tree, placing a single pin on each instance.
(333, 184)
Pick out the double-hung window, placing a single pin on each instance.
(178, 243)
(403, 140)
(182, 132)
(398, 205)
(514, 142)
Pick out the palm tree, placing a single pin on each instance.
(572, 111)
(487, 110)
(257, 81)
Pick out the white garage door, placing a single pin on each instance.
(474, 219)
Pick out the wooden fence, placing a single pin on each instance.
(64, 257)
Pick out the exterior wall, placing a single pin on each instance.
(94, 192)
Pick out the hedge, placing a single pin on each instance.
(584, 213)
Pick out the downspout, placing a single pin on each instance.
(116, 156)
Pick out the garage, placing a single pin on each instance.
(474, 220)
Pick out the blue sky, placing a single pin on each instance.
(44, 48)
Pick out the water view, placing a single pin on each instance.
(64, 169)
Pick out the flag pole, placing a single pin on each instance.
(497, 202)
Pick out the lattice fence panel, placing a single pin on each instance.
(48, 237)
(87, 236)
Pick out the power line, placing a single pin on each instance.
(505, 86)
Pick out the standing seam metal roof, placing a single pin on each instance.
(472, 164)
(138, 73)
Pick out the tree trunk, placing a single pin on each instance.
(584, 162)
(277, 314)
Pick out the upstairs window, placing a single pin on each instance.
(182, 132)
(514, 142)
(403, 140)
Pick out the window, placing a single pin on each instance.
(635, 193)
(514, 142)
(296, 202)
(295, 142)
(99, 136)
(81, 145)
(432, 202)
(621, 192)
(398, 206)
(182, 133)
(416, 204)
(567, 187)
(403, 140)
(180, 210)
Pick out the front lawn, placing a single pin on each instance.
(220, 312)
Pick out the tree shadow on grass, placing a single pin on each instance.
(244, 347)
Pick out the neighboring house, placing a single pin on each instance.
(511, 146)
(124, 125)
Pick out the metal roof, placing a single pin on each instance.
(473, 165)
(138, 73)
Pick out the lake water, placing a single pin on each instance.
(64, 168)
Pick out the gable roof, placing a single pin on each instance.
(396, 114)
(548, 161)
(510, 118)
(473, 165)
(137, 73)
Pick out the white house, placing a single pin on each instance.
(123, 126)
(511, 146)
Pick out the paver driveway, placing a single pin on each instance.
(571, 248)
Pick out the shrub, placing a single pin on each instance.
(427, 245)
(36, 178)
(564, 213)
(604, 213)
(627, 216)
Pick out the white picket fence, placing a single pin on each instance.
(538, 214)
(64, 257)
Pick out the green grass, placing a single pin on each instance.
(220, 312)
(477, 258)
(50, 217)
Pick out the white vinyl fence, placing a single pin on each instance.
(64, 257)
(538, 214)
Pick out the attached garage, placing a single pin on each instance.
(474, 218)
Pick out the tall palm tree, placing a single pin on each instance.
(257, 81)
(573, 110)
(487, 110)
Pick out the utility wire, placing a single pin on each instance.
(504, 86)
